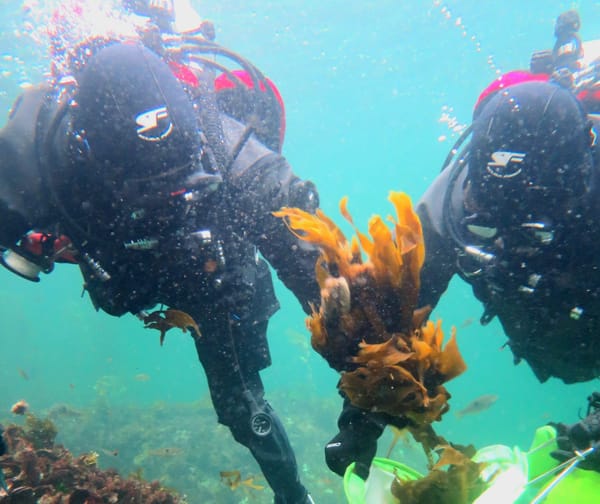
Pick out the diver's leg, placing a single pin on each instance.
(237, 394)
(271, 450)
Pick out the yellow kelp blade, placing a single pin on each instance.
(408, 220)
(386, 258)
(321, 231)
(371, 331)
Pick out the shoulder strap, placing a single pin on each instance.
(210, 122)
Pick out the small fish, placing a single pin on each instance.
(467, 322)
(142, 377)
(164, 452)
(23, 374)
(477, 405)
(110, 453)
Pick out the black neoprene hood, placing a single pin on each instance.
(531, 148)
(134, 115)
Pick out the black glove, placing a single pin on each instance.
(580, 436)
(357, 439)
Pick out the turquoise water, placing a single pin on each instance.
(365, 86)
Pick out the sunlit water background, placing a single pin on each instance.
(374, 92)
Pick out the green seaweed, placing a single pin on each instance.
(40, 431)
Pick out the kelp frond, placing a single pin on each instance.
(368, 325)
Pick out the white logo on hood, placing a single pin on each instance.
(505, 164)
(154, 125)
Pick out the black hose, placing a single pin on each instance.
(460, 163)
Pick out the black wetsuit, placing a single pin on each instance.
(205, 260)
(554, 326)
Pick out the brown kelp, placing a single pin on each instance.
(391, 358)
(164, 320)
(458, 484)
(368, 325)
(233, 479)
(39, 471)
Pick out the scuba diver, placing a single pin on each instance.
(130, 166)
(514, 212)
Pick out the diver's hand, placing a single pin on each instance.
(580, 436)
